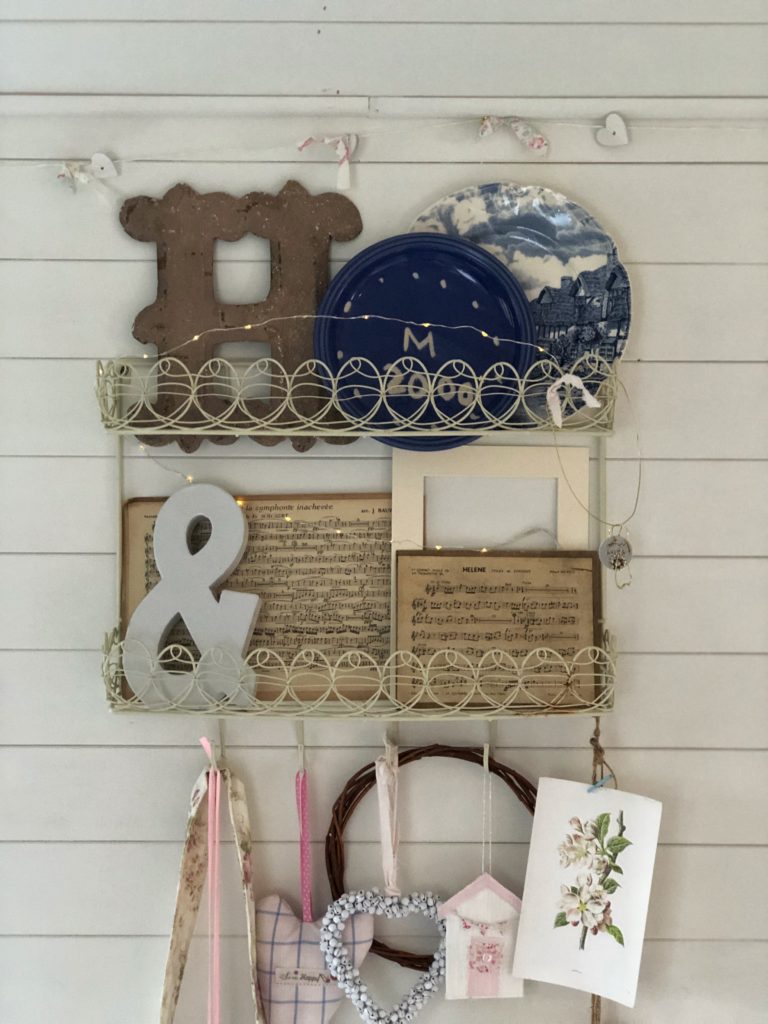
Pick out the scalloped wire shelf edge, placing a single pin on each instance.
(164, 397)
(493, 687)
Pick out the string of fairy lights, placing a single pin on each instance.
(615, 527)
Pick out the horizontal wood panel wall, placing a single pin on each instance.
(217, 95)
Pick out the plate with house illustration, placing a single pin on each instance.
(577, 288)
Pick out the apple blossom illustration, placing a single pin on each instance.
(591, 849)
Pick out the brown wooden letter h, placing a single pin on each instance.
(185, 318)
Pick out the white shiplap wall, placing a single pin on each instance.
(93, 805)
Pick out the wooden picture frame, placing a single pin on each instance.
(567, 466)
(441, 604)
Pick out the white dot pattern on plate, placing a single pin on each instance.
(347, 306)
(416, 275)
(443, 283)
(339, 354)
(475, 304)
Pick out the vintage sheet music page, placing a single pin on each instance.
(323, 576)
(509, 601)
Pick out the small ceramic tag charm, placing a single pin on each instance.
(614, 133)
(101, 166)
(615, 552)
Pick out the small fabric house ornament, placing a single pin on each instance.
(481, 932)
(295, 985)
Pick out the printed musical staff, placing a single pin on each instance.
(321, 564)
(508, 601)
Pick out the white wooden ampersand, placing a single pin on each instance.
(222, 626)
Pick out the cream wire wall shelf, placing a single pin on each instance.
(164, 397)
(446, 685)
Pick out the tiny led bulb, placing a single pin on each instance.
(248, 327)
(288, 519)
(483, 550)
(195, 337)
(189, 479)
(240, 502)
(145, 355)
(485, 334)
(438, 547)
(426, 325)
(338, 531)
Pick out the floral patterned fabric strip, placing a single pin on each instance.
(194, 863)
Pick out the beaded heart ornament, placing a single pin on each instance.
(339, 961)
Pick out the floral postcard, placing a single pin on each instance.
(587, 887)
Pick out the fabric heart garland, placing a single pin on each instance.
(614, 132)
(344, 146)
(339, 961)
(525, 133)
(295, 984)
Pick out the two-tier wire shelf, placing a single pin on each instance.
(165, 399)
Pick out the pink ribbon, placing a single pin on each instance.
(343, 146)
(305, 852)
(553, 398)
(214, 900)
(387, 769)
(522, 130)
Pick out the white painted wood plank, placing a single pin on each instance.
(677, 315)
(692, 508)
(49, 408)
(683, 412)
(691, 411)
(359, 59)
(439, 11)
(64, 602)
(119, 980)
(91, 889)
(153, 786)
(712, 508)
(659, 132)
(676, 701)
(691, 605)
(635, 203)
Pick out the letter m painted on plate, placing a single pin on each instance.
(428, 342)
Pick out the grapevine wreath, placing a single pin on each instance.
(363, 781)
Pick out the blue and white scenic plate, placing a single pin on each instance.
(577, 288)
(437, 284)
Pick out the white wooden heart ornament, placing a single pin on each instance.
(339, 961)
(101, 166)
(614, 133)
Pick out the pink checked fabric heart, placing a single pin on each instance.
(295, 984)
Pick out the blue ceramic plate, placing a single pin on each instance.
(426, 279)
(569, 267)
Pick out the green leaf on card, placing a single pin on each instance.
(610, 885)
(616, 933)
(617, 844)
(561, 920)
(602, 823)
(617, 869)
